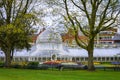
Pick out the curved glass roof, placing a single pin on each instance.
(50, 36)
(48, 42)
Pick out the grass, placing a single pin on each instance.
(26, 74)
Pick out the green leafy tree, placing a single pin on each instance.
(16, 27)
(93, 16)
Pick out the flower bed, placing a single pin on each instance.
(52, 62)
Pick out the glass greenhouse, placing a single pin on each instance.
(49, 46)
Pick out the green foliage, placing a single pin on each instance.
(1, 64)
(33, 63)
(105, 62)
(16, 66)
(15, 26)
(13, 37)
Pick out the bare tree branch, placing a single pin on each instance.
(85, 9)
(81, 28)
(77, 6)
(103, 16)
(81, 44)
(67, 11)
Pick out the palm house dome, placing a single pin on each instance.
(49, 40)
(48, 43)
(49, 36)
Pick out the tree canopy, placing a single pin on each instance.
(16, 26)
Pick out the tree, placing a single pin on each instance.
(16, 26)
(51, 13)
(93, 17)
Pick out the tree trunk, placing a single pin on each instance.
(90, 61)
(90, 55)
(7, 59)
(12, 53)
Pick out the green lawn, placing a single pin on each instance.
(25, 74)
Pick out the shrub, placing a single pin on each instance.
(16, 66)
(1, 64)
(105, 62)
(33, 63)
